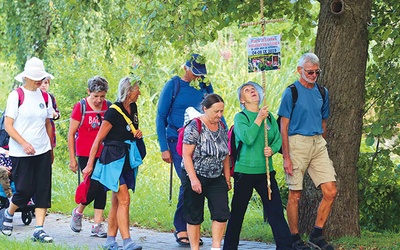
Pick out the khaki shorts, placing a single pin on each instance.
(309, 153)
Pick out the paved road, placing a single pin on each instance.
(57, 225)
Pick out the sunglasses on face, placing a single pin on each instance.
(312, 72)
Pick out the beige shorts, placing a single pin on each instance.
(309, 153)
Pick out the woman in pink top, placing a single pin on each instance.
(86, 118)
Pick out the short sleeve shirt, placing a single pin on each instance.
(120, 130)
(89, 128)
(211, 148)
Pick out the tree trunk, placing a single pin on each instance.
(342, 46)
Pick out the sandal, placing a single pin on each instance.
(182, 241)
(320, 243)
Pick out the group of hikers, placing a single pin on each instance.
(106, 145)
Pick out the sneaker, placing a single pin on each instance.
(301, 245)
(6, 226)
(41, 236)
(320, 243)
(132, 246)
(111, 246)
(99, 231)
(76, 221)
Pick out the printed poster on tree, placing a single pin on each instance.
(264, 53)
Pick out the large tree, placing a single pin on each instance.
(342, 45)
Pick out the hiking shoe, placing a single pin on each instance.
(98, 231)
(6, 226)
(111, 246)
(41, 236)
(320, 243)
(301, 245)
(132, 246)
(76, 221)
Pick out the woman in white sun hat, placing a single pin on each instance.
(27, 121)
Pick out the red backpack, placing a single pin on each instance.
(181, 132)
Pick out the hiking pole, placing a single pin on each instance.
(170, 181)
(79, 176)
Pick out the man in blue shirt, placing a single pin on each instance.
(177, 95)
(303, 130)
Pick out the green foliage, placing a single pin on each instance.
(379, 191)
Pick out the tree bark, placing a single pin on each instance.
(342, 46)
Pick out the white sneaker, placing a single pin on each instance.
(98, 230)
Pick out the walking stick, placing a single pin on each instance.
(265, 103)
(170, 182)
(79, 176)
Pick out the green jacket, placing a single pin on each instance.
(252, 159)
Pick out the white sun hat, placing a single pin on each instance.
(34, 70)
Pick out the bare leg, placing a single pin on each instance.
(98, 216)
(40, 215)
(80, 208)
(194, 236)
(12, 208)
(329, 192)
(217, 230)
(112, 217)
(292, 210)
(123, 211)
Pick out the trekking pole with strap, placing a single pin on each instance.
(170, 181)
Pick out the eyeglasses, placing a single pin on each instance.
(312, 72)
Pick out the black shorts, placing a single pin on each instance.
(216, 191)
(32, 177)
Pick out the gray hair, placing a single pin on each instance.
(97, 84)
(124, 87)
(308, 57)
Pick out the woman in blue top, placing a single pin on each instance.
(177, 95)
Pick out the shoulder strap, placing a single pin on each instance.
(295, 94)
(240, 143)
(83, 109)
(45, 97)
(177, 87)
(21, 97)
(198, 122)
(133, 130)
(321, 91)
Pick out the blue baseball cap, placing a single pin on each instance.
(198, 69)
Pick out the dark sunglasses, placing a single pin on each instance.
(312, 72)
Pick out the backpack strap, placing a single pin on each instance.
(21, 97)
(322, 91)
(83, 110)
(198, 123)
(240, 143)
(177, 87)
